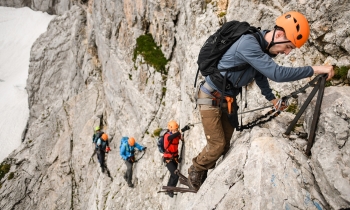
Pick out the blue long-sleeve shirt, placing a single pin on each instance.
(261, 66)
(127, 151)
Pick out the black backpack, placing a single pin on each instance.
(96, 136)
(160, 141)
(216, 46)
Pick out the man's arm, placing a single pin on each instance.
(264, 86)
(174, 135)
(138, 146)
(250, 51)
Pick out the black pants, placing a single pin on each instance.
(101, 157)
(173, 179)
(128, 173)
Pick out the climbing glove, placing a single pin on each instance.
(187, 127)
(144, 148)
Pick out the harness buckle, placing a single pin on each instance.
(216, 94)
(215, 102)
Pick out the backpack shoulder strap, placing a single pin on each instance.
(126, 147)
(257, 34)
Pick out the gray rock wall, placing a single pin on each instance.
(82, 74)
(52, 7)
(330, 154)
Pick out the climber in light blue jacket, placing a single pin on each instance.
(127, 150)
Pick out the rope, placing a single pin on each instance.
(259, 121)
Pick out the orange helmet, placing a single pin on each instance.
(131, 141)
(295, 26)
(172, 125)
(104, 137)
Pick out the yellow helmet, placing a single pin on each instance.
(172, 125)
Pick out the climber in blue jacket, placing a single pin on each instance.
(127, 150)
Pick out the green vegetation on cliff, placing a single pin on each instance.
(4, 169)
(152, 53)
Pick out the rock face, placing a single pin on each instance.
(83, 73)
(330, 160)
(52, 7)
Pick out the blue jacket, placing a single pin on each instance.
(127, 151)
(247, 50)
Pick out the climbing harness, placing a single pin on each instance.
(321, 80)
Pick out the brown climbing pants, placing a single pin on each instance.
(218, 132)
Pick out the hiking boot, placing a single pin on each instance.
(102, 169)
(170, 193)
(195, 178)
(131, 185)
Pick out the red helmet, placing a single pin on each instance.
(296, 27)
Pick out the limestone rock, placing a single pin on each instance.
(83, 73)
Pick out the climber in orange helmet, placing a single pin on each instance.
(102, 146)
(253, 53)
(127, 152)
